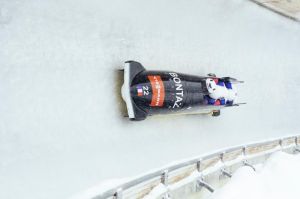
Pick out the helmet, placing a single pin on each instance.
(211, 85)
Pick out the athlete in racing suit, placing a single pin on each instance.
(220, 92)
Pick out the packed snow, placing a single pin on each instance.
(98, 189)
(61, 130)
(278, 178)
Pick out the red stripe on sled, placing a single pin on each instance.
(158, 90)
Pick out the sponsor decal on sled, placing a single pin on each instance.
(158, 90)
(179, 90)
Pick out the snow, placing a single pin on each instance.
(278, 178)
(61, 130)
(156, 191)
(98, 189)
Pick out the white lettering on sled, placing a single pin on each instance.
(179, 90)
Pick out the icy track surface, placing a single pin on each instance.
(61, 130)
(277, 179)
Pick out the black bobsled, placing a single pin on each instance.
(162, 92)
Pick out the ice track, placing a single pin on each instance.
(61, 130)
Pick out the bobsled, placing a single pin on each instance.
(147, 93)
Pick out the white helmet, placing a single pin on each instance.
(211, 85)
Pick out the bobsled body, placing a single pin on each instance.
(163, 92)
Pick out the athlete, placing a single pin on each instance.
(220, 92)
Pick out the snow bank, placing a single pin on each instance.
(98, 189)
(277, 179)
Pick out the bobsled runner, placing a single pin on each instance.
(148, 93)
